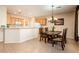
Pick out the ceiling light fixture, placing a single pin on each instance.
(51, 19)
(19, 10)
(56, 6)
(14, 12)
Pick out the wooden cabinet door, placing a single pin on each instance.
(41, 20)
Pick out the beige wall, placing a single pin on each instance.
(69, 19)
(3, 15)
(3, 20)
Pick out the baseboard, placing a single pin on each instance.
(11, 41)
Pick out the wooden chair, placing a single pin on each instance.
(43, 35)
(61, 39)
(46, 29)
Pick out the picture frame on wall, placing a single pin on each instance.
(59, 21)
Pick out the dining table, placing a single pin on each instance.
(51, 35)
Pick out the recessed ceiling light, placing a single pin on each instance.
(56, 6)
(19, 10)
(52, 5)
(14, 12)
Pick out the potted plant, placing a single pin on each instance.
(3, 26)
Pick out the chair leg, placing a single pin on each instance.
(62, 45)
(45, 40)
(65, 41)
(53, 43)
(48, 39)
(40, 38)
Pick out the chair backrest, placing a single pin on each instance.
(40, 30)
(64, 34)
(46, 29)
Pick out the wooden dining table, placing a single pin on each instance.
(51, 35)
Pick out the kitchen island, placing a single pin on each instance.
(18, 35)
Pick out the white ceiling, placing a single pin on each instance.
(39, 10)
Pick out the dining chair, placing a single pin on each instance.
(61, 39)
(43, 35)
(46, 29)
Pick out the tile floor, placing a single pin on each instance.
(35, 46)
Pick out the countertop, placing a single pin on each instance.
(21, 28)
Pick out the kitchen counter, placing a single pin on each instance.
(19, 28)
(18, 35)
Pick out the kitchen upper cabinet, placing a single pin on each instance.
(14, 20)
(41, 20)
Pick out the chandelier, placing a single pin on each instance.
(52, 19)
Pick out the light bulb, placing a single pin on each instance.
(55, 18)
